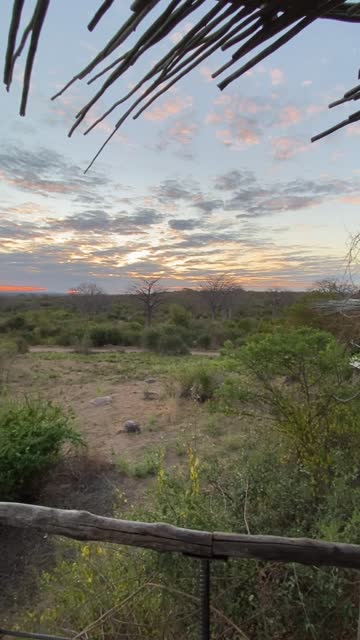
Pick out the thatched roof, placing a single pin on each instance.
(236, 27)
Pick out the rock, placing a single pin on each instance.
(131, 426)
(150, 380)
(99, 402)
(150, 395)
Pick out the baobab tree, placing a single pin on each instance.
(218, 292)
(150, 294)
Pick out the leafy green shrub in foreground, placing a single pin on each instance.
(32, 434)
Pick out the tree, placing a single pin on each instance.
(334, 287)
(218, 292)
(150, 294)
(89, 296)
(277, 300)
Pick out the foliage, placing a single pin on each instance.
(149, 465)
(179, 316)
(151, 338)
(173, 344)
(32, 434)
(198, 381)
(260, 490)
(300, 375)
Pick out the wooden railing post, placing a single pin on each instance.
(204, 592)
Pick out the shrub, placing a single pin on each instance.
(103, 335)
(83, 345)
(151, 338)
(204, 341)
(149, 465)
(179, 316)
(299, 375)
(32, 434)
(21, 345)
(198, 382)
(172, 344)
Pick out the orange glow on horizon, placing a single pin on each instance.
(11, 289)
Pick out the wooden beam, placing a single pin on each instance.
(82, 525)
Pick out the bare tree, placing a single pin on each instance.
(335, 287)
(150, 294)
(89, 296)
(218, 291)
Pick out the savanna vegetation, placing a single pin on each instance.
(262, 439)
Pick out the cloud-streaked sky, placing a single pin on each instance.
(202, 182)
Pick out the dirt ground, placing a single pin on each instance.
(77, 382)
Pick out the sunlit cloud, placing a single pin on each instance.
(171, 107)
(285, 148)
(289, 115)
(277, 76)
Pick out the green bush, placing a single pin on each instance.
(198, 381)
(204, 341)
(22, 345)
(103, 335)
(84, 344)
(32, 434)
(151, 338)
(299, 375)
(172, 344)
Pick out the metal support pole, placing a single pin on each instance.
(204, 589)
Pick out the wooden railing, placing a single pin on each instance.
(203, 545)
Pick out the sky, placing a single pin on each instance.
(203, 182)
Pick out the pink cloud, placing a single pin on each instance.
(206, 72)
(353, 130)
(277, 76)
(169, 108)
(182, 132)
(351, 199)
(213, 118)
(289, 115)
(314, 109)
(243, 137)
(286, 148)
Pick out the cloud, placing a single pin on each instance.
(45, 172)
(242, 134)
(289, 115)
(96, 221)
(208, 206)
(170, 107)
(285, 148)
(240, 118)
(234, 179)
(277, 77)
(307, 83)
(173, 190)
(206, 73)
(182, 224)
(182, 132)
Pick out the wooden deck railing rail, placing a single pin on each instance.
(202, 545)
(82, 525)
